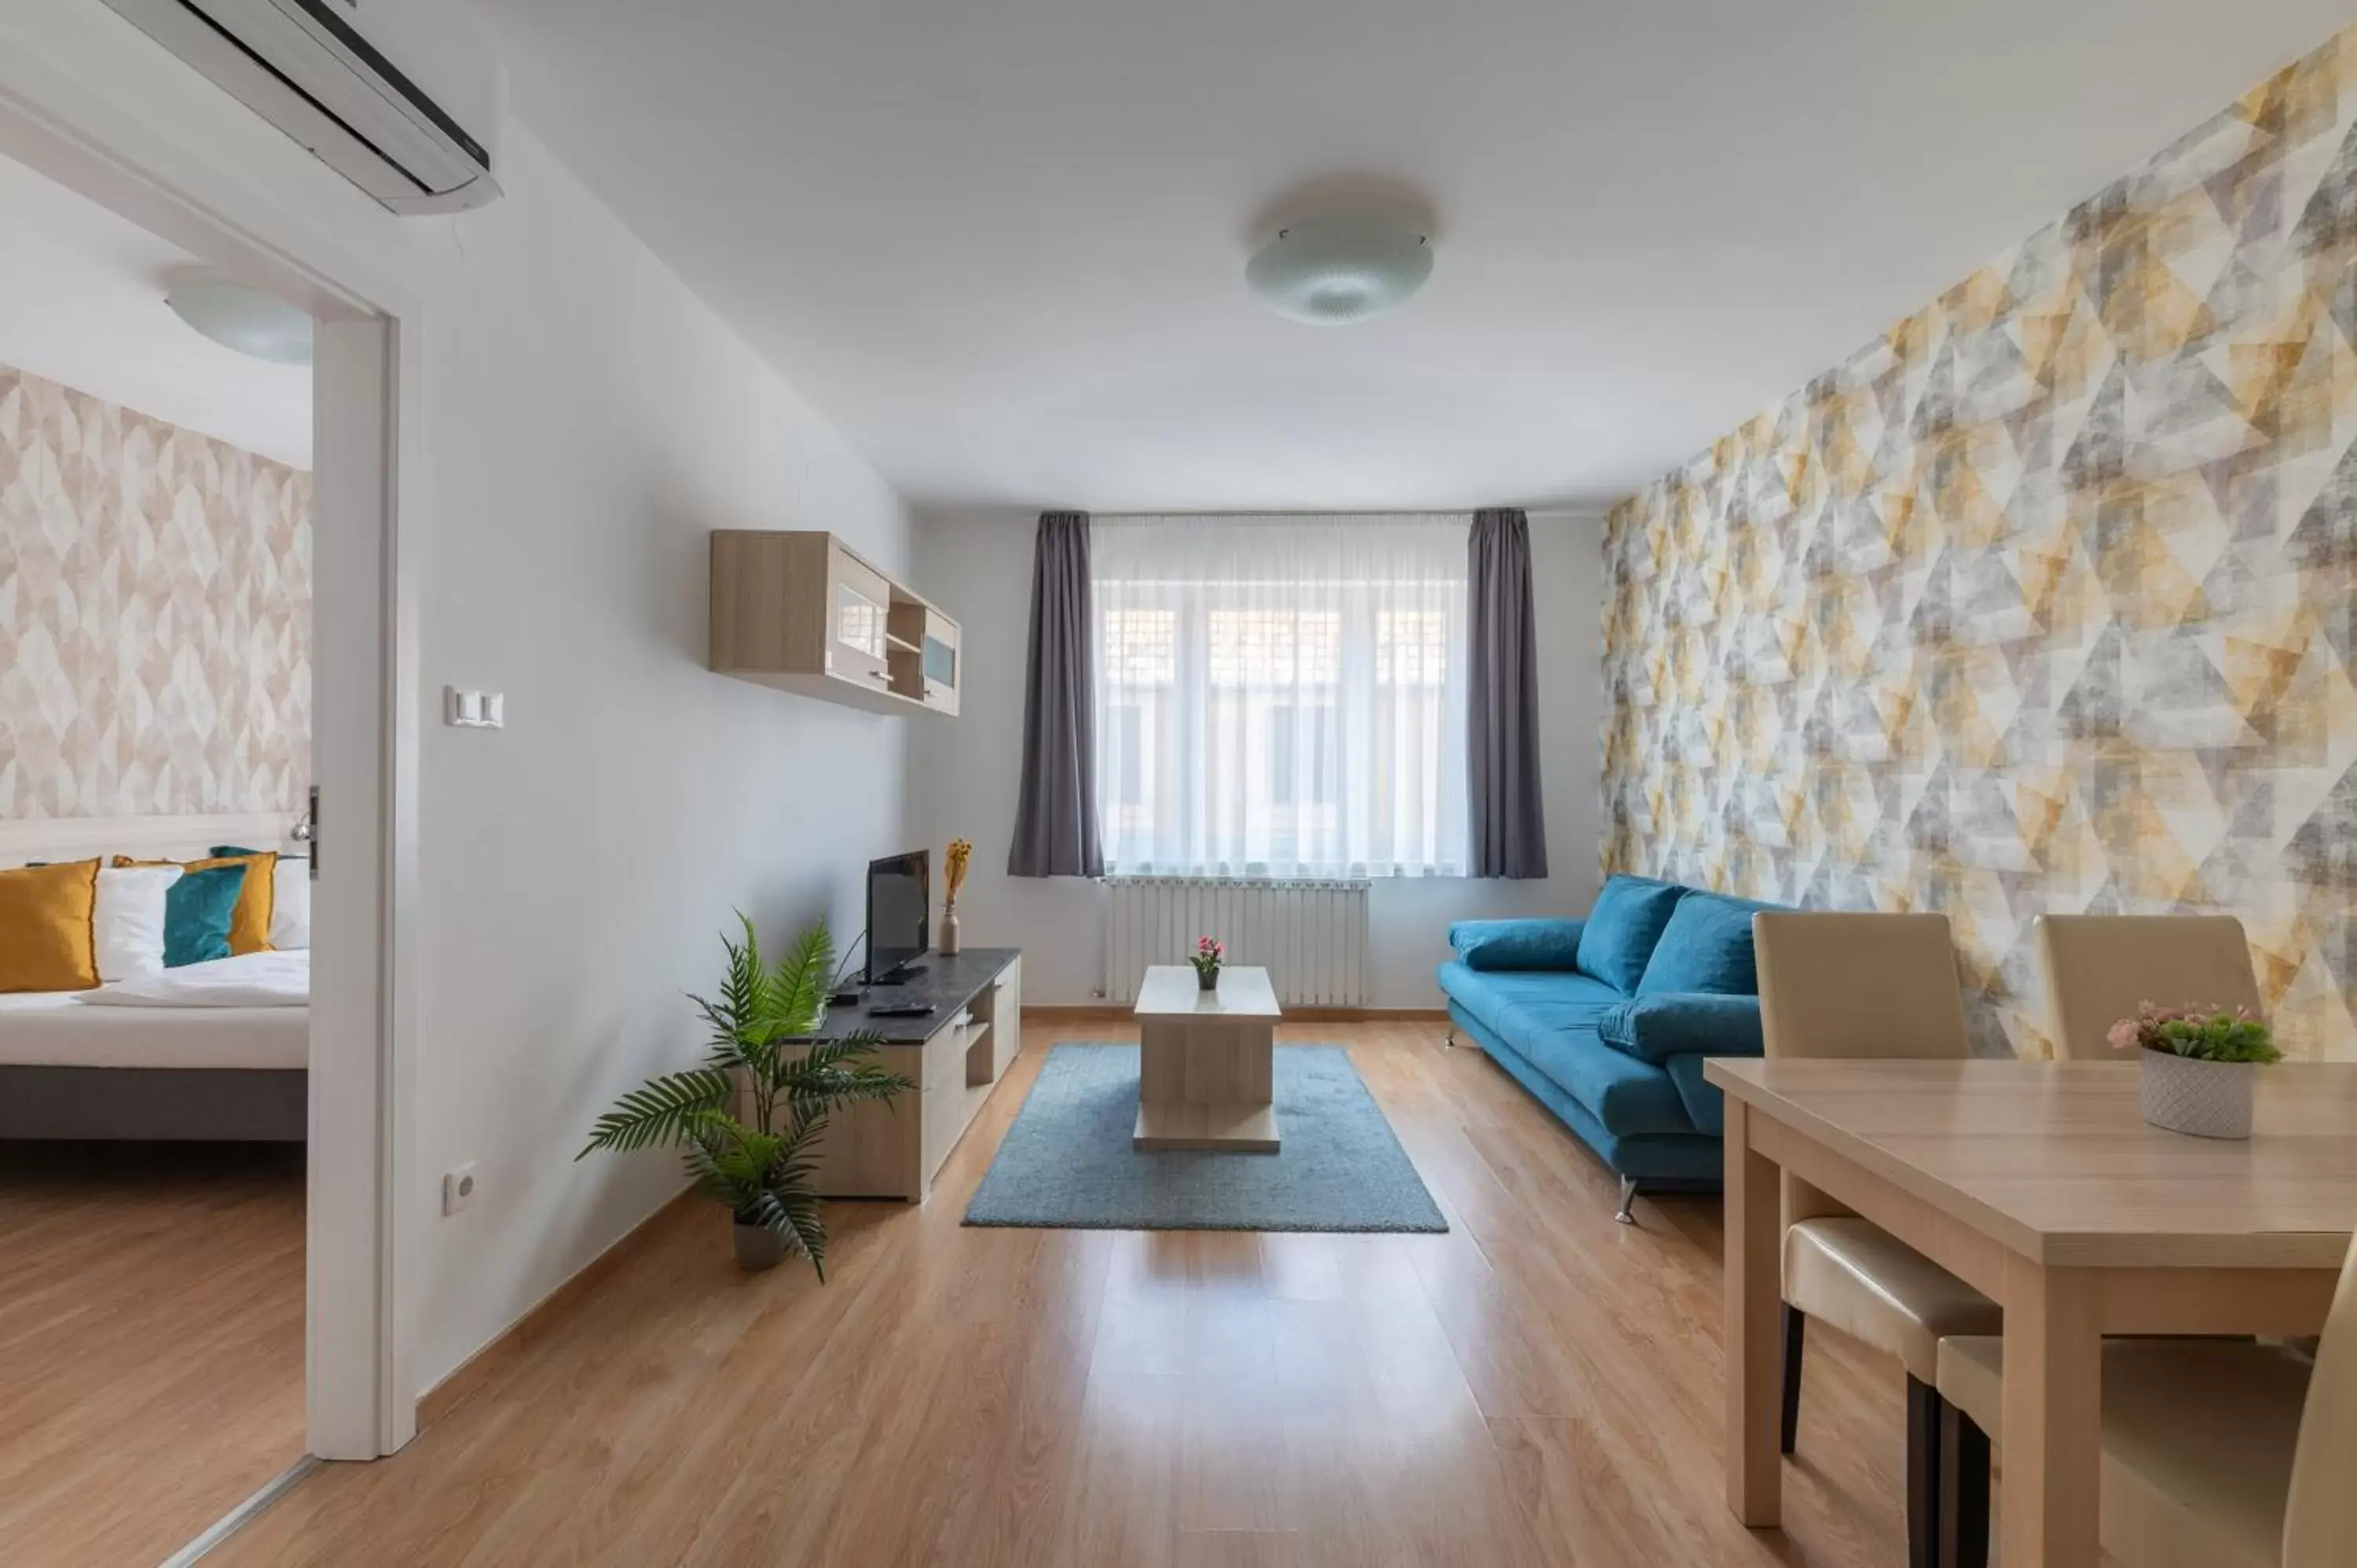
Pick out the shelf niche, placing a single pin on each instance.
(804, 612)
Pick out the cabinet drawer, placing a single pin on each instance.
(945, 1052)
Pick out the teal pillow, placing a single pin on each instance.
(1517, 944)
(1655, 1028)
(1707, 946)
(1623, 927)
(196, 915)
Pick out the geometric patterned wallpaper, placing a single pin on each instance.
(2047, 600)
(155, 615)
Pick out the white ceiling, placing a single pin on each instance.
(1001, 244)
(81, 301)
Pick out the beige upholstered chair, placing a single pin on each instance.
(2217, 1453)
(1862, 985)
(2101, 967)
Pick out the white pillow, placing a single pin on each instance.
(290, 908)
(128, 919)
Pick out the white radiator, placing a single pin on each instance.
(1311, 936)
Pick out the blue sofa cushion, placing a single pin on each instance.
(1539, 998)
(1625, 1095)
(1517, 944)
(1703, 1101)
(1684, 1160)
(1706, 946)
(1619, 938)
(1655, 1028)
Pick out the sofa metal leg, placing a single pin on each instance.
(1796, 1328)
(1924, 1422)
(1448, 1042)
(1963, 1490)
(1625, 1214)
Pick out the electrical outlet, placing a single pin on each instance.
(457, 1188)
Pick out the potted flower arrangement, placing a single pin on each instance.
(1207, 958)
(2198, 1066)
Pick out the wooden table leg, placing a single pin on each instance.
(1755, 1289)
(2053, 1434)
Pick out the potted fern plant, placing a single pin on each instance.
(761, 1060)
(2198, 1063)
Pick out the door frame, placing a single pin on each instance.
(360, 1322)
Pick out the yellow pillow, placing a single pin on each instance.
(47, 941)
(249, 923)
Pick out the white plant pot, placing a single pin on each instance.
(2208, 1099)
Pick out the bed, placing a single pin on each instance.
(212, 1051)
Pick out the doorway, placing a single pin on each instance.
(359, 1393)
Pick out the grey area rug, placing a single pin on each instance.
(1067, 1162)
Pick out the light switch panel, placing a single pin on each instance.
(464, 709)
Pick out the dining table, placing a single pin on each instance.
(2041, 1184)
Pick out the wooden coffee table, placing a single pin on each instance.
(1206, 1061)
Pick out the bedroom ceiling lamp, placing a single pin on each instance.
(260, 325)
(1331, 271)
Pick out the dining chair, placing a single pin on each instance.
(2217, 1453)
(2101, 967)
(1861, 986)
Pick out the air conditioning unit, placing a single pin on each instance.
(402, 97)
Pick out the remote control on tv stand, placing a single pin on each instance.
(901, 1010)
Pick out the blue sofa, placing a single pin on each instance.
(1607, 1020)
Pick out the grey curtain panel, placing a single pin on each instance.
(1056, 817)
(1509, 821)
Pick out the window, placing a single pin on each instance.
(1301, 755)
(1281, 696)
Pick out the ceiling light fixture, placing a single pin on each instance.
(260, 325)
(1331, 271)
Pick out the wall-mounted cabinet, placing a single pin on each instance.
(804, 612)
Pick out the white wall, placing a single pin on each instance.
(596, 423)
(964, 773)
(587, 420)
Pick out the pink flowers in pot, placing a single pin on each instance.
(2198, 1065)
(1209, 954)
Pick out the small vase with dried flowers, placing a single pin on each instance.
(960, 851)
(1207, 958)
(2198, 1066)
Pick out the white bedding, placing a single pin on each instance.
(224, 1028)
(250, 980)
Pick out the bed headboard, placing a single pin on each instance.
(145, 838)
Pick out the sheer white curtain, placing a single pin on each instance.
(1281, 696)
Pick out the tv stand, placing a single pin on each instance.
(954, 1056)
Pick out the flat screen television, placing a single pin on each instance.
(900, 915)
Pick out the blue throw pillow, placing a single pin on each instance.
(1706, 946)
(1655, 1028)
(196, 915)
(1623, 927)
(1495, 945)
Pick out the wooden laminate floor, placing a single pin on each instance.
(1540, 1386)
(151, 1344)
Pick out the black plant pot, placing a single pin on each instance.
(1207, 980)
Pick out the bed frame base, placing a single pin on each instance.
(259, 1105)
